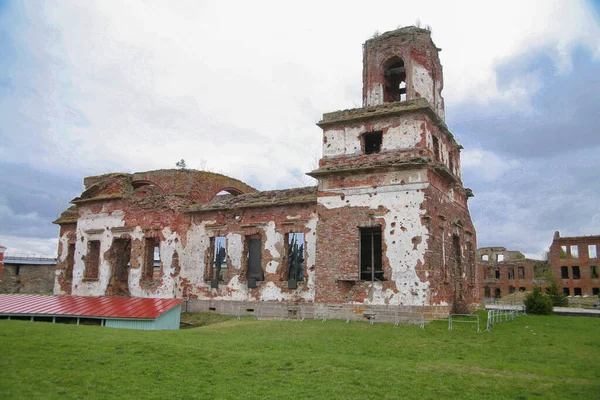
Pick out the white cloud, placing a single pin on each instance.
(239, 86)
(16, 245)
(485, 165)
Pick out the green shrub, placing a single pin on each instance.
(537, 302)
(559, 299)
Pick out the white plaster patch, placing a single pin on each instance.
(270, 292)
(99, 222)
(423, 82)
(353, 140)
(235, 248)
(272, 267)
(405, 136)
(335, 142)
(272, 238)
(405, 210)
(375, 95)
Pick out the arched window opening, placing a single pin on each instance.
(146, 188)
(395, 81)
(225, 194)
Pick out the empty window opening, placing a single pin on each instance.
(511, 273)
(120, 257)
(219, 259)
(563, 251)
(521, 272)
(511, 289)
(595, 291)
(70, 261)
(92, 260)
(373, 142)
(576, 291)
(371, 268)
(497, 274)
(592, 251)
(497, 293)
(575, 251)
(576, 273)
(522, 289)
(566, 291)
(458, 265)
(226, 194)
(295, 258)
(594, 271)
(17, 270)
(255, 271)
(395, 81)
(485, 257)
(151, 258)
(564, 272)
(121, 249)
(499, 257)
(487, 292)
(436, 147)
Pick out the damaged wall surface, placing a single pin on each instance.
(575, 264)
(388, 222)
(503, 272)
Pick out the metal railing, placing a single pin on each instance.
(507, 314)
(371, 314)
(463, 318)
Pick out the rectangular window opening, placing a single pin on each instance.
(121, 255)
(436, 147)
(592, 251)
(295, 257)
(564, 272)
(151, 258)
(485, 257)
(576, 273)
(574, 251)
(566, 291)
(17, 270)
(563, 251)
(511, 289)
(371, 267)
(70, 261)
(511, 273)
(596, 291)
(499, 257)
(577, 291)
(219, 257)
(373, 142)
(92, 260)
(255, 271)
(497, 273)
(594, 271)
(521, 272)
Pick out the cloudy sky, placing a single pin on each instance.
(89, 87)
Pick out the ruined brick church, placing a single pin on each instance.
(388, 222)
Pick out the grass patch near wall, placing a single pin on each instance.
(531, 357)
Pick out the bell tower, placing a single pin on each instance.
(394, 226)
(402, 65)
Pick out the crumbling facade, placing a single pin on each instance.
(575, 264)
(28, 274)
(388, 222)
(502, 272)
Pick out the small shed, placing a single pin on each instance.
(114, 312)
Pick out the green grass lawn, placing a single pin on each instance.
(531, 357)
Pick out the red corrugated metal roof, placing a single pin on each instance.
(110, 307)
